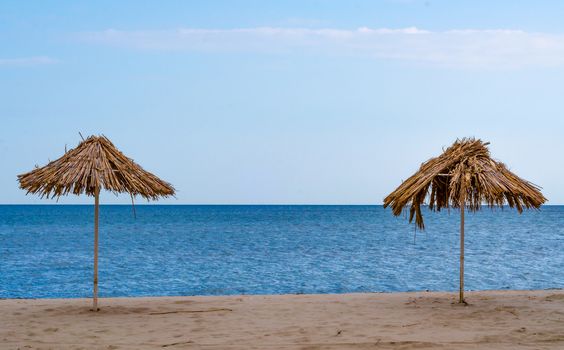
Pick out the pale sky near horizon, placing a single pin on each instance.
(290, 102)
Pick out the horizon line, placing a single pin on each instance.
(233, 204)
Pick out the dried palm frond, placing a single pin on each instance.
(93, 165)
(464, 173)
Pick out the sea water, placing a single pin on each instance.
(46, 251)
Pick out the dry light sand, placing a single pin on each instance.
(493, 320)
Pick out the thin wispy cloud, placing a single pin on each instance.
(459, 48)
(27, 61)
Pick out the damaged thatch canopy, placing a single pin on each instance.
(93, 165)
(464, 173)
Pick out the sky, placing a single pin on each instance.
(282, 102)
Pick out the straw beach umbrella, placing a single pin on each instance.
(464, 177)
(95, 164)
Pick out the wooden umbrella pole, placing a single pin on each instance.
(96, 212)
(133, 206)
(462, 253)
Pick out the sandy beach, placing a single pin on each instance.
(423, 320)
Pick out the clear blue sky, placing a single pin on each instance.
(282, 101)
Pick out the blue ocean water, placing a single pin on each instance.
(46, 250)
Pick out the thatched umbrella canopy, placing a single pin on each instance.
(93, 165)
(464, 176)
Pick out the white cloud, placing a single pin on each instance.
(461, 48)
(27, 61)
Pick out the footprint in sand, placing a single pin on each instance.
(554, 297)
